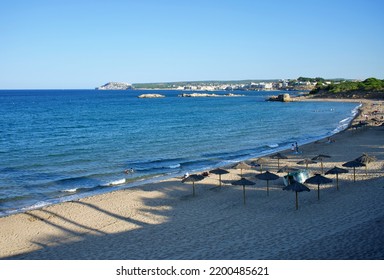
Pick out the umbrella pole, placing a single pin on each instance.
(354, 174)
(318, 191)
(337, 181)
(322, 169)
(244, 194)
(220, 179)
(297, 202)
(193, 185)
(366, 171)
(261, 168)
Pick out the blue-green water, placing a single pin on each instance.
(57, 145)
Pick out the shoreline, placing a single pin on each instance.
(164, 210)
(155, 178)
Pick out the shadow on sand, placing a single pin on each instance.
(181, 228)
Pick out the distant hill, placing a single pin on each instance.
(115, 86)
(370, 88)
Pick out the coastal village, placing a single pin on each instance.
(335, 88)
(305, 84)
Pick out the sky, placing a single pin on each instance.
(81, 44)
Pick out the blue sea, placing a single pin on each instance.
(59, 145)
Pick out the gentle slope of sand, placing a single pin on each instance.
(164, 221)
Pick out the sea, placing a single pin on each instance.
(61, 145)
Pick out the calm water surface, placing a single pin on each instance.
(57, 145)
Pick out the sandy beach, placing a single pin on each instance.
(165, 221)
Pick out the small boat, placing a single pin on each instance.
(299, 176)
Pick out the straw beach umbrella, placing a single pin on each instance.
(337, 171)
(193, 178)
(353, 164)
(321, 157)
(318, 179)
(219, 171)
(296, 187)
(259, 162)
(365, 159)
(243, 182)
(306, 161)
(241, 165)
(267, 176)
(278, 156)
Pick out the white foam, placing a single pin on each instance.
(70, 190)
(117, 182)
(344, 123)
(174, 166)
(37, 205)
(273, 145)
(346, 120)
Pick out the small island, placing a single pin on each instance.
(115, 86)
(151, 95)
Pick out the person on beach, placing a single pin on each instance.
(296, 147)
(129, 171)
(293, 149)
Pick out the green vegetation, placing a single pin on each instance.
(312, 80)
(369, 88)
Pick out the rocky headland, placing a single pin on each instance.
(115, 86)
(281, 97)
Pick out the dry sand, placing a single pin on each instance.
(164, 221)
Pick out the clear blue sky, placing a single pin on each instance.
(83, 44)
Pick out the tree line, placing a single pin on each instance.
(369, 86)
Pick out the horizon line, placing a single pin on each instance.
(191, 81)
